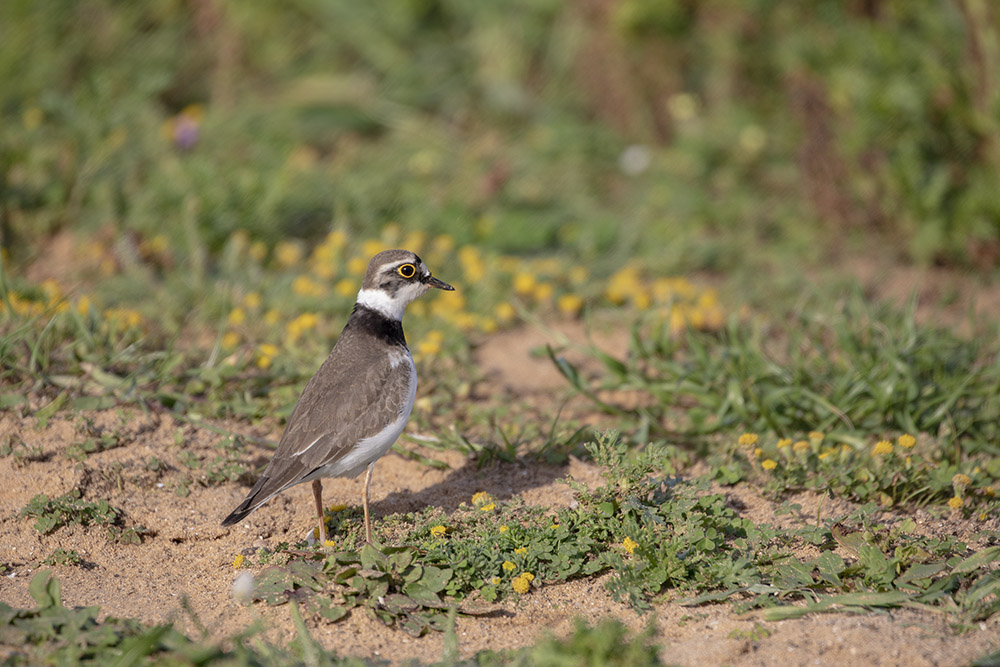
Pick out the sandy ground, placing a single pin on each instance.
(189, 556)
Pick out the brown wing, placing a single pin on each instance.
(353, 395)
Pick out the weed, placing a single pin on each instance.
(63, 557)
(68, 509)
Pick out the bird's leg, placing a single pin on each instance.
(364, 502)
(318, 496)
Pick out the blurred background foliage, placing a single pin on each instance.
(689, 135)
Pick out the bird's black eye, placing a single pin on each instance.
(407, 270)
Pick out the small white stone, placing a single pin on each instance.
(243, 587)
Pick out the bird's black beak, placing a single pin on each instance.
(440, 284)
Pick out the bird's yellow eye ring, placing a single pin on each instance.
(407, 270)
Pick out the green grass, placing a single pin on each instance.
(69, 509)
(661, 537)
(52, 632)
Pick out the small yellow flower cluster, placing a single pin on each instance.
(305, 286)
(438, 531)
(680, 302)
(301, 324)
(522, 583)
(266, 352)
(238, 561)
(329, 544)
(520, 551)
(882, 448)
(507, 565)
(481, 498)
(430, 345)
(629, 545)
(768, 464)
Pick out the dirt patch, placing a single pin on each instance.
(189, 556)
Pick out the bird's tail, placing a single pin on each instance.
(249, 504)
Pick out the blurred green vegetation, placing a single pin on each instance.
(687, 134)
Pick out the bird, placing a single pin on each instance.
(358, 402)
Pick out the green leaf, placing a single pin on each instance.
(978, 560)
(372, 558)
(422, 595)
(42, 415)
(45, 590)
(435, 578)
(399, 604)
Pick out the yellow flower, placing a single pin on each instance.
(907, 441)
(237, 316)
(815, 435)
(521, 585)
(521, 550)
(784, 442)
(257, 251)
(125, 317)
(268, 350)
(428, 348)
(748, 439)
(230, 340)
(569, 304)
(801, 446)
(252, 300)
(238, 561)
(527, 575)
(357, 265)
(438, 531)
(629, 544)
(371, 247)
(504, 529)
(524, 283)
(345, 287)
(306, 286)
(480, 498)
(488, 508)
(504, 312)
(758, 452)
(990, 491)
(961, 480)
(507, 565)
(337, 508)
(472, 263)
(444, 244)
(956, 503)
(287, 253)
(300, 324)
(329, 544)
(264, 362)
(881, 448)
(544, 291)
(768, 464)
(495, 581)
